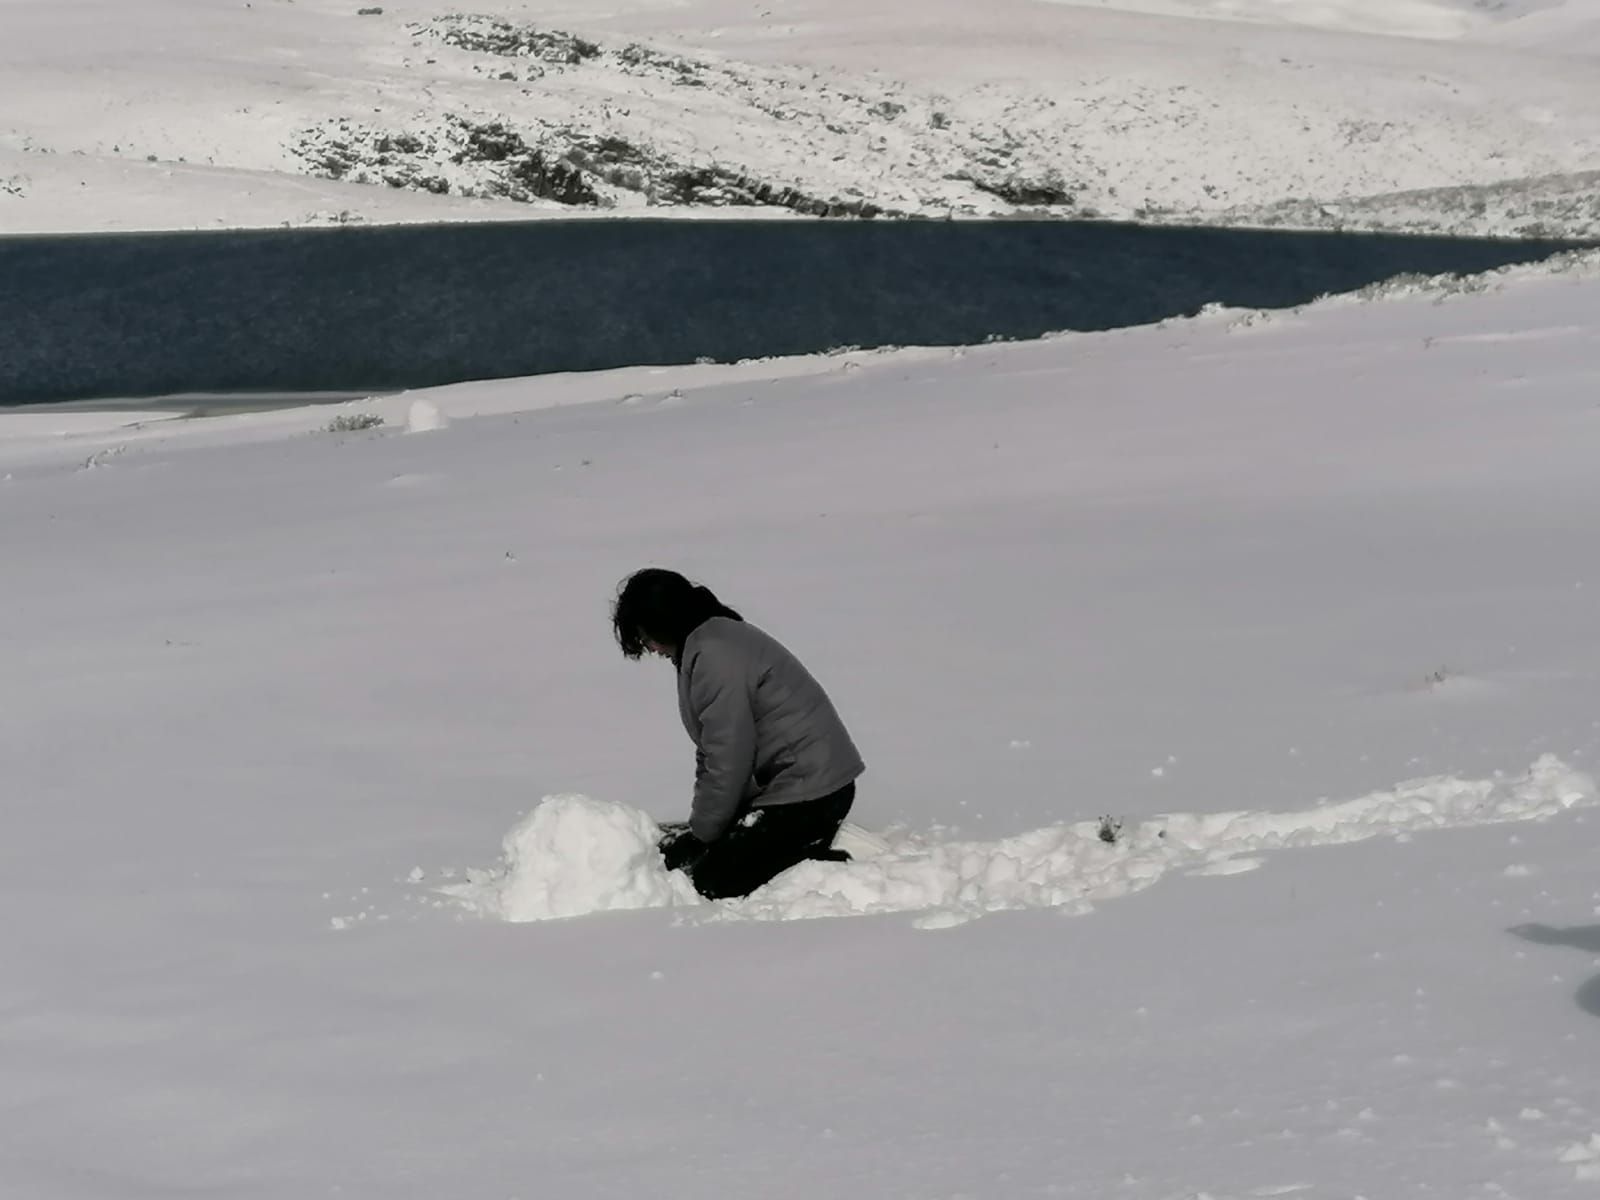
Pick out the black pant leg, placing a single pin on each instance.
(781, 836)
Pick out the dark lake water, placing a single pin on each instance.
(372, 309)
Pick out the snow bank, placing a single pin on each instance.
(574, 855)
(1071, 866)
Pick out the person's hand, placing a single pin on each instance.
(680, 849)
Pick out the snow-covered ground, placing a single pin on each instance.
(1305, 601)
(1431, 114)
(1229, 687)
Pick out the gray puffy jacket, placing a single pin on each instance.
(764, 730)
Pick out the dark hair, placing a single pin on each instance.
(664, 607)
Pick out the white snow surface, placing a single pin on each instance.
(1253, 585)
(1417, 114)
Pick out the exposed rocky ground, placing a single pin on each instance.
(923, 158)
(1554, 206)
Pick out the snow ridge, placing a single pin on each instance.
(574, 855)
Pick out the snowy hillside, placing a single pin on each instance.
(182, 113)
(1298, 606)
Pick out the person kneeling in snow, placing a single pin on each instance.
(775, 768)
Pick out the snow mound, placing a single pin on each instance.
(570, 856)
(573, 855)
(424, 417)
(1071, 867)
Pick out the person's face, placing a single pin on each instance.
(652, 646)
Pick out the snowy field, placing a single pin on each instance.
(310, 734)
(1456, 115)
(1305, 601)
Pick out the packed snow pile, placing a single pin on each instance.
(574, 855)
(1072, 866)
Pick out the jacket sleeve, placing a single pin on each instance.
(726, 754)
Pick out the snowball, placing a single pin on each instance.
(573, 855)
(424, 417)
